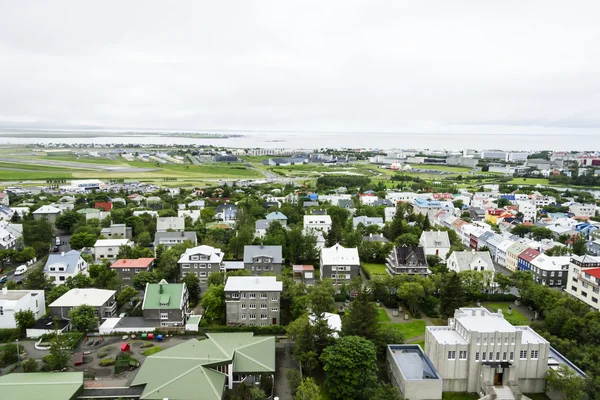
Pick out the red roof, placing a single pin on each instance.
(595, 272)
(297, 268)
(135, 263)
(529, 254)
(107, 205)
(496, 212)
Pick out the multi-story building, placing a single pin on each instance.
(367, 221)
(339, 263)
(109, 248)
(407, 260)
(261, 259)
(471, 261)
(48, 213)
(525, 259)
(317, 223)
(170, 239)
(252, 300)
(479, 351)
(170, 224)
(529, 210)
(512, 255)
(126, 269)
(13, 301)
(583, 210)
(435, 243)
(583, 280)
(102, 300)
(61, 266)
(501, 251)
(550, 271)
(202, 261)
(167, 303)
(117, 231)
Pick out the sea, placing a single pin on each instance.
(574, 141)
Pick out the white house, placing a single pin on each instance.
(109, 248)
(13, 301)
(583, 280)
(367, 221)
(471, 261)
(317, 223)
(389, 213)
(193, 214)
(164, 224)
(61, 266)
(435, 243)
(583, 210)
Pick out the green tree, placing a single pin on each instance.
(407, 239)
(68, 220)
(321, 297)
(383, 391)
(84, 318)
(56, 292)
(308, 390)
(80, 281)
(59, 356)
(565, 380)
(579, 245)
(361, 318)
(29, 365)
(213, 303)
(451, 295)
(80, 240)
(504, 282)
(140, 280)
(349, 367)
(412, 293)
(104, 277)
(193, 285)
(126, 295)
(25, 319)
(144, 239)
(37, 280)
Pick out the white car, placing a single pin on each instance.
(20, 270)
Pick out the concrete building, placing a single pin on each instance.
(251, 300)
(317, 223)
(435, 243)
(13, 301)
(512, 255)
(479, 351)
(304, 274)
(117, 231)
(193, 214)
(367, 221)
(61, 266)
(339, 263)
(170, 239)
(550, 271)
(202, 261)
(49, 213)
(529, 210)
(109, 248)
(126, 269)
(583, 280)
(167, 303)
(471, 261)
(389, 213)
(164, 224)
(412, 372)
(407, 260)
(261, 259)
(102, 300)
(583, 210)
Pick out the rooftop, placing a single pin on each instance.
(133, 263)
(299, 268)
(479, 319)
(77, 297)
(111, 242)
(41, 385)
(163, 296)
(274, 252)
(12, 295)
(253, 283)
(338, 254)
(69, 260)
(413, 362)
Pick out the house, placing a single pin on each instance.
(426, 207)
(61, 266)
(170, 239)
(304, 274)
(93, 213)
(101, 299)
(495, 216)
(252, 300)
(261, 226)
(48, 213)
(583, 210)
(277, 216)
(412, 372)
(375, 238)
(117, 231)
(550, 271)
(126, 269)
(170, 224)
(525, 259)
(339, 263)
(167, 303)
(334, 323)
(435, 243)
(104, 205)
(193, 214)
(583, 280)
(409, 260)
(367, 221)
(317, 223)
(226, 212)
(201, 261)
(480, 351)
(481, 261)
(41, 385)
(389, 213)
(347, 204)
(512, 255)
(199, 204)
(8, 239)
(13, 301)
(4, 200)
(136, 198)
(261, 259)
(109, 248)
(151, 213)
(206, 366)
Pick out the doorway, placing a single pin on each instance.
(498, 378)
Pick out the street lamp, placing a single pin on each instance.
(17, 340)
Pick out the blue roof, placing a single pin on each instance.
(69, 260)
(427, 203)
(312, 196)
(510, 197)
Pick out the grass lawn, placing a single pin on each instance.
(528, 181)
(537, 396)
(382, 316)
(9, 175)
(411, 329)
(420, 343)
(151, 350)
(374, 269)
(516, 318)
(459, 396)
(446, 168)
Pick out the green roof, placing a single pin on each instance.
(41, 385)
(183, 371)
(169, 299)
(194, 320)
(88, 210)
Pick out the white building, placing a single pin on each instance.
(583, 210)
(317, 223)
(481, 352)
(193, 214)
(61, 266)
(164, 224)
(528, 209)
(109, 248)
(435, 243)
(367, 221)
(583, 280)
(471, 261)
(13, 301)
(389, 213)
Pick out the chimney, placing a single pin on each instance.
(160, 288)
(62, 254)
(473, 312)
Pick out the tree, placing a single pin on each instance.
(140, 280)
(84, 318)
(308, 390)
(451, 295)
(565, 380)
(60, 356)
(25, 319)
(68, 220)
(412, 293)
(266, 383)
(56, 292)
(579, 245)
(407, 239)
(144, 239)
(193, 285)
(104, 277)
(79, 281)
(349, 367)
(321, 297)
(361, 319)
(504, 282)
(213, 303)
(37, 280)
(126, 296)
(503, 202)
(294, 379)
(383, 391)
(80, 240)
(311, 339)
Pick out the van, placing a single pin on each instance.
(21, 270)
(57, 241)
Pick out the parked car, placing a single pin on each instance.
(21, 270)
(4, 279)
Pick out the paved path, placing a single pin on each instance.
(283, 361)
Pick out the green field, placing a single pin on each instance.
(87, 160)
(420, 343)
(459, 396)
(446, 168)
(516, 318)
(529, 181)
(411, 329)
(374, 269)
(382, 316)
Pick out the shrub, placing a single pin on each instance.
(499, 297)
(107, 362)
(8, 354)
(9, 335)
(294, 379)
(105, 351)
(30, 365)
(259, 330)
(146, 345)
(151, 350)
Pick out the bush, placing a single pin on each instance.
(9, 335)
(105, 351)
(30, 365)
(151, 350)
(499, 297)
(146, 345)
(259, 330)
(107, 362)
(294, 379)
(8, 354)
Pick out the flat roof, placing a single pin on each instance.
(249, 283)
(447, 335)
(483, 320)
(76, 297)
(413, 362)
(530, 336)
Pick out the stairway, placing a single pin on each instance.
(504, 393)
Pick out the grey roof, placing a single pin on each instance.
(364, 220)
(345, 203)
(69, 260)
(250, 252)
(435, 239)
(276, 215)
(464, 258)
(383, 202)
(185, 235)
(262, 223)
(375, 238)
(310, 204)
(484, 238)
(226, 206)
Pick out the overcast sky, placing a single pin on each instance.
(399, 66)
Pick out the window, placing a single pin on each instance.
(485, 340)
(164, 315)
(596, 290)
(243, 316)
(498, 356)
(252, 316)
(1, 310)
(185, 265)
(61, 278)
(534, 354)
(584, 294)
(263, 316)
(203, 274)
(52, 269)
(164, 324)
(574, 288)
(243, 296)
(275, 299)
(451, 355)
(594, 300)
(202, 265)
(263, 296)
(523, 355)
(477, 356)
(252, 296)
(263, 306)
(235, 295)
(478, 339)
(243, 306)
(504, 356)
(462, 355)
(512, 356)
(506, 340)
(274, 309)
(483, 356)
(252, 306)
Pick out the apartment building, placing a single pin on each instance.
(103, 301)
(550, 271)
(512, 255)
(339, 263)
(202, 261)
(261, 259)
(407, 260)
(252, 300)
(13, 301)
(583, 280)
(317, 223)
(126, 269)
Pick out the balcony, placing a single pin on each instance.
(110, 309)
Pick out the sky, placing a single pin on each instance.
(530, 67)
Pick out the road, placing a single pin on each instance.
(69, 164)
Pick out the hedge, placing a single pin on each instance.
(499, 297)
(9, 334)
(259, 330)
